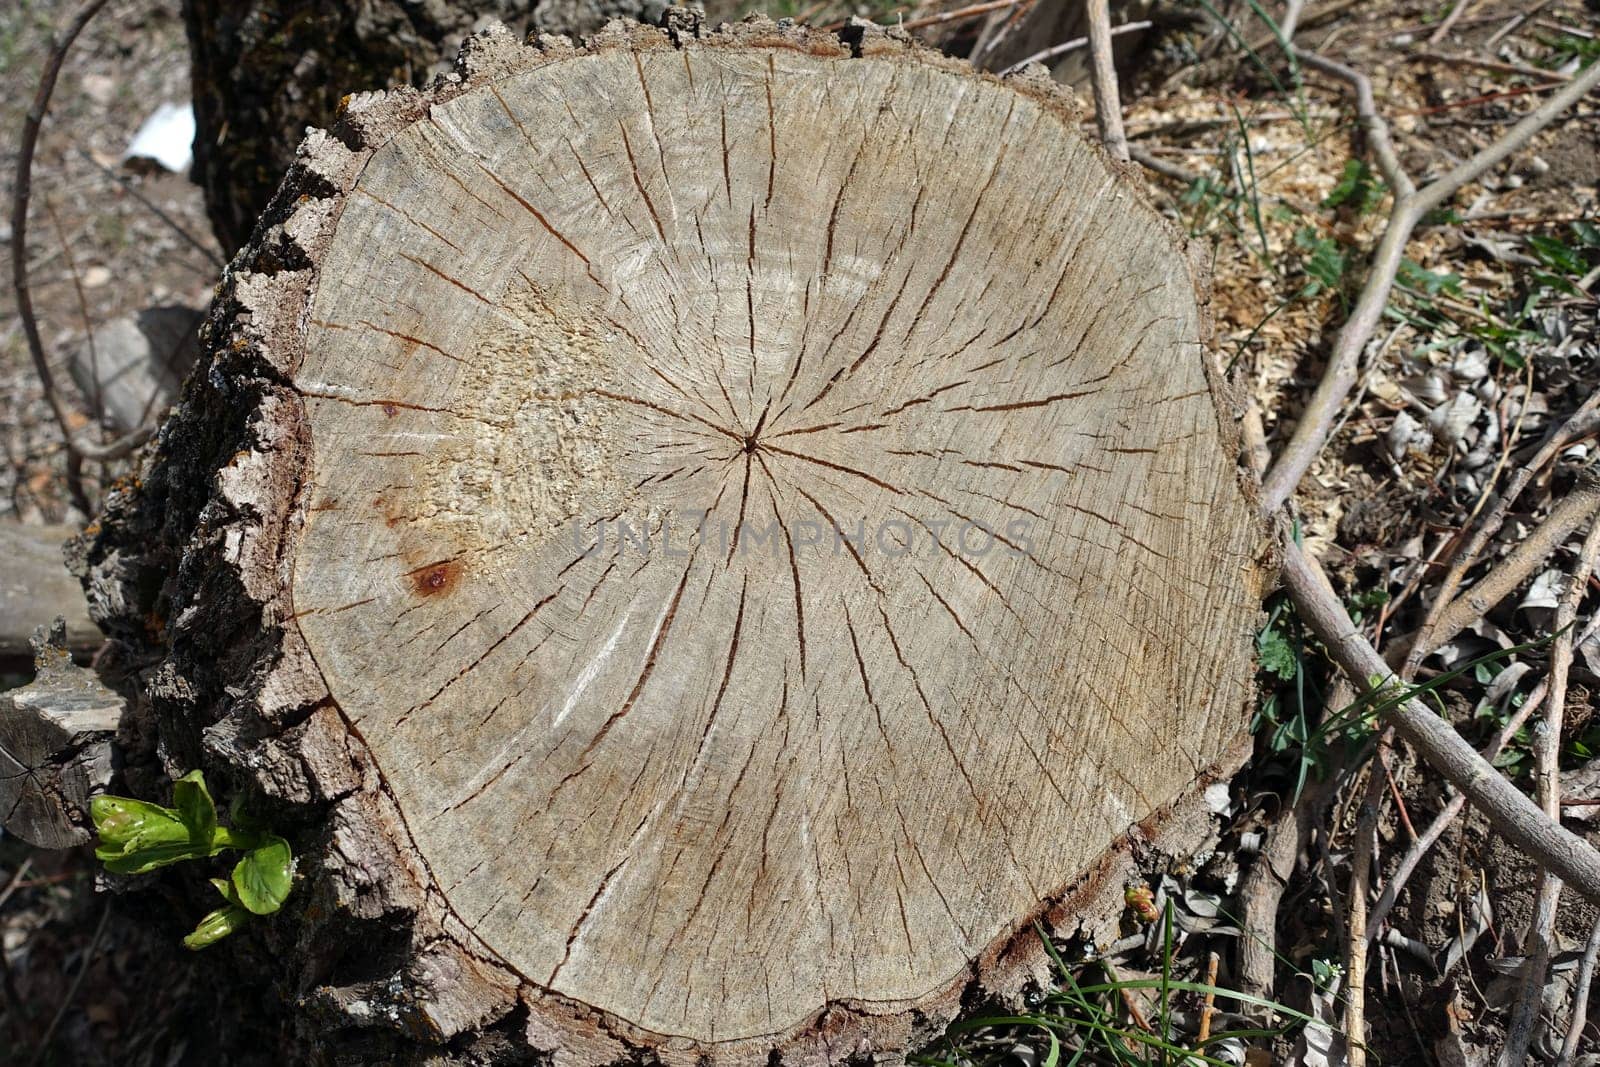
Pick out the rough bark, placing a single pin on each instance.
(264, 70)
(725, 798)
(55, 746)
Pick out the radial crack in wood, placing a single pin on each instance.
(765, 510)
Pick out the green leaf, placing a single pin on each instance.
(136, 836)
(263, 877)
(1053, 1057)
(216, 926)
(195, 808)
(146, 859)
(242, 821)
(124, 823)
(1555, 254)
(1413, 275)
(1325, 263)
(1355, 188)
(1277, 654)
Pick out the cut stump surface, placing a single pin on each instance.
(763, 509)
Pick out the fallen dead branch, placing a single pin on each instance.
(1518, 819)
(1537, 944)
(1441, 822)
(1569, 512)
(1356, 924)
(1056, 51)
(78, 447)
(1581, 423)
(1411, 205)
(1580, 999)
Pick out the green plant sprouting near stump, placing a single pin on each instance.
(137, 837)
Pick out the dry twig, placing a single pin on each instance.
(1519, 821)
(1515, 21)
(1495, 64)
(1449, 22)
(1209, 1007)
(970, 11)
(1582, 422)
(1536, 946)
(1056, 51)
(1107, 96)
(1441, 822)
(1580, 999)
(76, 446)
(1356, 937)
(1411, 205)
(1569, 512)
(72, 990)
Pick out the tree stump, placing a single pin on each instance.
(264, 70)
(713, 534)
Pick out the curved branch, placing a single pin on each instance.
(1518, 819)
(19, 248)
(1411, 205)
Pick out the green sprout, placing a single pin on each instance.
(137, 837)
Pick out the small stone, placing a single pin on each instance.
(99, 87)
(95, 277)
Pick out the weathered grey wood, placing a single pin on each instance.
(55, 746)
(36, 587)
(728, 797)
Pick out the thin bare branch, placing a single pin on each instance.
(209, 251)
(1411, 205)
(1056, 51)
(1441, 822)
(1356, 937)
(1103, 76)
(1570, 512)
(1208, 1006)
(1290, 21)
(1150, 161)
(1537, 945)
(1518, 820)
(1449, 22)
(970, 11)
(1580, 999)
(1494, 64)
(1582, 422)
(21, 195)
(1516, 20)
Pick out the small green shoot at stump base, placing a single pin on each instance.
(136, 837)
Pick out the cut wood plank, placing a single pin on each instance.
(762, 508)
(55, 746)
(35, 587)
